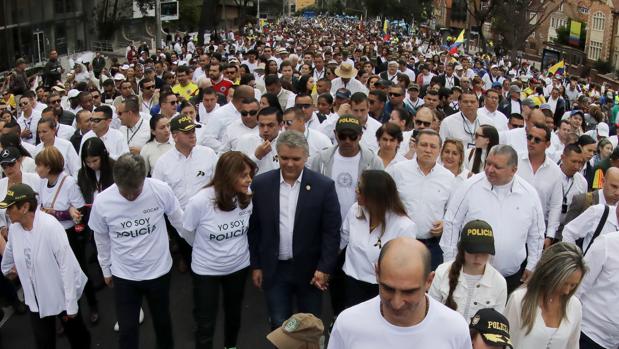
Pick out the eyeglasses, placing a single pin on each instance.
(172, 102)
(23, 104)
(250, 112)
(477, 135)
(535, 140)
(303, 106)
(423, 123)
(393, 94)
(96, 120)
(345, 136)
(55, 101)
(288, 122)
(7, 164)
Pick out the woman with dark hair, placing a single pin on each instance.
(13, 140)
(217, 218)
(269, 100)
(588, 146)
(371, 81)
(486, 137)
(324, 106)
(469, 282)
(389, 136)
(544, 312)
(248, 79)
(271, 68)
(377, 217)
(305, 85)
(95, 175)
(159, 143)
(6, 115)
(244, 69)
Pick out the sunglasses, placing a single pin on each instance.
(7, 164)
(303, 106)
(250, 112)
(288, 122)
(349, 136)
(96, 120)
(535, 140)
(23, 104)
(423, 123)
(172, 102)
(392, 94)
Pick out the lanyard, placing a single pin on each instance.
(466, 127)
(129, 139)
(565, 193)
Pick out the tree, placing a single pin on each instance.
(516, 20)
(481, 12)
(407, 10)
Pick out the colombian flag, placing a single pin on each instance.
(459, 41)
(558, 68)
(385, 26)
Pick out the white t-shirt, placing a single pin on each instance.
(345, 173)
(363, 327)
(220, 245)
(131, 236)
(69, 195)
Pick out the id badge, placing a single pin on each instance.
(470, 145)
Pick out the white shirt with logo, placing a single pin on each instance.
(131, 236)
(220, 245)
(345, 173)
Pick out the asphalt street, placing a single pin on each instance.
(17, 333)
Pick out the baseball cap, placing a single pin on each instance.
(183, 124)
(492, 326)
(9, 155)
(16, 193)
(477, 237)
(515, 88)
(545, 106)
(348, 122)
(413, 86)
(73, 93)
(343, 94)
(577, 111)
(529, 103)
(603, 129)
(299, 331)
(497, 84)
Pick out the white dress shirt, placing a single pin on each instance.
(316, 142)
(457, 126)
(353, 86)
(233, 133)
(585, 224)
(31, 124)
(363, 246)
(570, 186)
(248, 144)
(424, 196)
(184, 174)
(50, 275)
(516, 138)
(288, 198)
(598, 292)
(64, 131)
(544, 180)
(138, 135)
(72, 162)
(515, 107)
(368, 139)
(218, 121)
(114, 142)
(205, 115)
(499, 120)
(513, 211)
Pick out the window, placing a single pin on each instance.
(598, 21)
(595, 50)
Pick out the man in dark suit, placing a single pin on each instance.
(294, 232)
(560, 104)
(513, 105)
(449, 79)
(609, 195)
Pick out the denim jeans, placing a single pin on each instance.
(284, 290)
(128, 298)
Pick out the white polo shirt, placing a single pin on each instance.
(368, 139)
(114, 142)
(64, 131)
(514, 212)
(457, 126)
(131, 236)
(425, 196)
(363, 248)
(186, 175)
(546, 182)
(220, 245)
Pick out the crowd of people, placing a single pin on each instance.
(447, 200)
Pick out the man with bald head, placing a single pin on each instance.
(221, 118)
(402, 313)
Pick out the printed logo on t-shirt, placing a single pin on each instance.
(135, 228)
(344, 180)
(230, 230)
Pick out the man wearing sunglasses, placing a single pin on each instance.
(294, 120)
(543, 174)
(396, 99)
(422, 120)
(305, 103)
(149, 97)
(100, 123)
(247, 124)
(261, 148)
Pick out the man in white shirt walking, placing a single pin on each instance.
(402, 313)
(490, 111)
(424, 187)
(132, 243)
(135, 129)
(294, 120)
(221, 118)
(347, 73)
(260, 148)
(462, 125)
(100, 127)
(248, 124)
(510, 205)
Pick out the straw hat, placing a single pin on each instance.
(346, 71)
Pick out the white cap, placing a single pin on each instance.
(125, 67)
(73, 93)
(603, 130)
(119, 77)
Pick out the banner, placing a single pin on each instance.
(575, 28)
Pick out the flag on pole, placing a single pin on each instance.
(459, 41)
(385, 26)
(558, 68)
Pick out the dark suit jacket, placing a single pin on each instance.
(559, 111)
(580, 203)
(442, 80)
(316, 232)
(506, 108)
